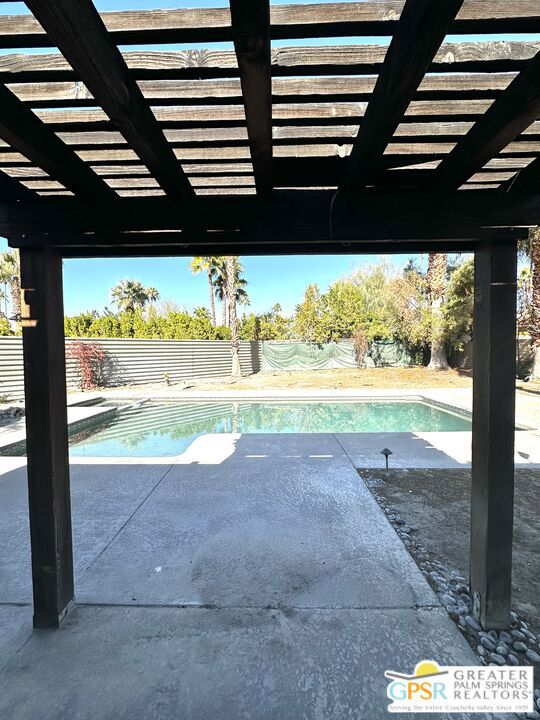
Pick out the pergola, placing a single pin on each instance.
(421, 145)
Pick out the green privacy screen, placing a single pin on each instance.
(307, 356)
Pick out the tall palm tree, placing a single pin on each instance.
(10, 274)
(534, 254)
(220, 284)
(129, 294)
(209, 266)
(153, 297)
(231, 272)
(436, 282)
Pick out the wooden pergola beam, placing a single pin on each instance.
(421, 29)
(251, 35)
(77, 29)
(298, 21)
(511, 114)
(27, 134)
(527, 180)
(304, 217)
(473, 86)
(319, 61)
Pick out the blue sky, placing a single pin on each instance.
(271, 279)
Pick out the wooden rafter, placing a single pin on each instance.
(527, 179)
(251, 34)
(420, 32)
(509, 116)
(27, 134)
(78, 31)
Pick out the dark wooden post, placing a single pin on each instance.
(492, 497)
(46, 435)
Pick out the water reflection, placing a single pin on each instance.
(163, 429)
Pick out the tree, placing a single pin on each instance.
(153, 297)
(534, 254)
(231, 277)
(436, 281)
(308, 320)
(457, 311)
(220, 285)
(10, 274)
(129, 294)
(209, 266)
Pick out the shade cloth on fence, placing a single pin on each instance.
(306, 356)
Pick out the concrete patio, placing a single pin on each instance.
(253, 577)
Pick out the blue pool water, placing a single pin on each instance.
(167, 429)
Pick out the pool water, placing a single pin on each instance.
(167, 429)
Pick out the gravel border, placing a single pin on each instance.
(517, 645)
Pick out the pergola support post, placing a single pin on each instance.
(492, 492)
(46, 435)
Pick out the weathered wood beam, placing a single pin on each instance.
(526, 181)
(46, 435)
(27, 134)
(77, 29)
(303, 216)
(283, 114)
(288, 21)
(424, 132)
(421, 29)
(492, 490)
(251, 35)
(472, 86)
(483, 57)
(230, 246)
(511, 114)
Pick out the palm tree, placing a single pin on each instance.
(129, 294)
(209, 266)
(534, 254)
(231, 273)
(153, 296)
(436, 282)
(220, 284)
(10, 274)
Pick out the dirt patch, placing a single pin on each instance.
(356, 378)
(437, 503)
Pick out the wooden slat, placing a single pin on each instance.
(251, 35)
(282, 135)
(288, 21)
(76, 28)
(62, 120)
(510, 114)
(284, 90)
(501, 56)
(30, 136)
(421, 30)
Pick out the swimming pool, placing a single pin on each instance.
(161, 429)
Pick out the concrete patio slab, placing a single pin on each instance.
(255, 577)
(260, 529)
(103, 499)
(197, 664)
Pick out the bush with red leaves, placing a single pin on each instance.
(89, 357)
